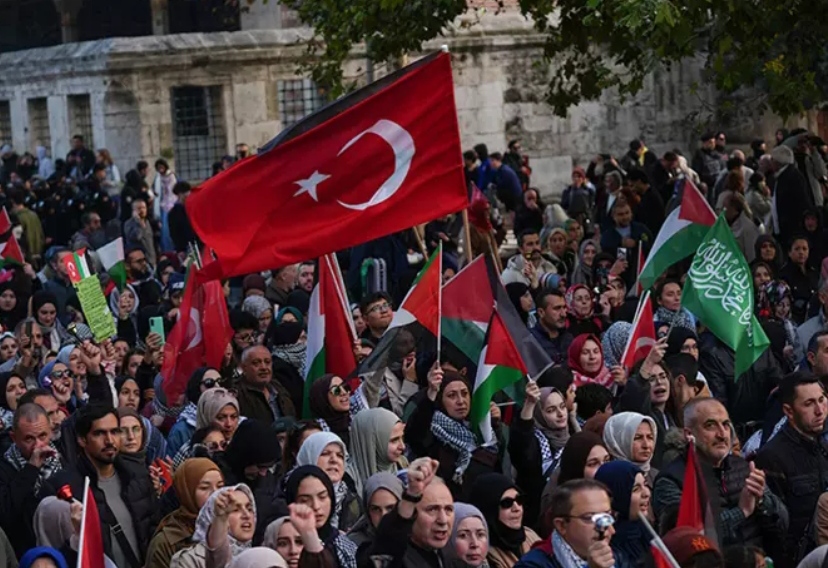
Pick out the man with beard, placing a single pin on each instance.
(304, 278)
(123, 489)
(140, 276)
(795, 461)
(138, 231)
(528, 265)
(550, 331)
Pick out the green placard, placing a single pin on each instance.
(95, 309)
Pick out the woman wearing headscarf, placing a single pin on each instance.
(304, 485)
(224, 529)
(587, 251)
(583, 454)
(529, 212)
(194, 481)
(536, 440)
(331, 402)
(258, 557)
(585, 358)
(380, 494)
(44, 311)
(29, 559)
(776, 301)
(54, 528)
(134, 437)
(502, 505)
(580, 308)
(328, 452)
(801, 276)
(630, 502)
(216, 407)
(614, 341)
(521, 298)
(261, 308)
(377, 444)
(8, 346)
(124, 307)
(12, 387)
(769, 251)
(469, 540)
(282, 537)
(12, 304)
(631, 437)
(439, 428)
(202, 379)
(289, 348)
(556, 251)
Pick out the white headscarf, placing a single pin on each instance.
(258, 557)
(619, 432)
(207, 515)
(316, 443)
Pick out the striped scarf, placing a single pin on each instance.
(50, 467)
(457, 436)
(345, 551)
(549, 460)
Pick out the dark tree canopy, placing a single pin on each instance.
(776, 47)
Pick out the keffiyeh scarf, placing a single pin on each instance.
(681, 318)
(189, 414)
(340, 492)
(294, 354)
(549, 459)
(50, 467)
(458, 437)
(564, 553)
(345, 551)
(6, 418)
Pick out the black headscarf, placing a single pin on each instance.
(677, 337)
(516, 291)
(194, 384)
(326, 532)
(338, 421)
(486, 493)
(575, 454)
(448, 378)
(4, 382)
(284, 333)
(40, 299)
(253, 443)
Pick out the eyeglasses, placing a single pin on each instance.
(509, 502)
(591, 518)
(383, 307)
(659, 377)
(246, 336)
(339, 390)
(209, 383)
(216, 446)
(61, 375)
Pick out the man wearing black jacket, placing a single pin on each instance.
(791, 196)
(181, 231)
(122, 489)
(795, 461)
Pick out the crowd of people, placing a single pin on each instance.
(382, 468)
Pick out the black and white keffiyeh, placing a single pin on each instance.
(345, 551)
(340, 492)
(458, 437)
(549, 459)
(50, 467)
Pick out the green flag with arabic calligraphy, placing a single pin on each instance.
(719, 291)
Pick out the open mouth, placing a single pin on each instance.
(440, 535)
(659, 392)
(247, 526)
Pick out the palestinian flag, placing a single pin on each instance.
(501, 366)
(417, 319)
(680, 236)
(111, 256)
(642, 335)
(5, 221)
(331, 330)
(468, 299)
(10, 253)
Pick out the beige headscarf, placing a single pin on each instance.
(210, 404)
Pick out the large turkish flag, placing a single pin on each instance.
(380, 160)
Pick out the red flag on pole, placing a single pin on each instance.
(198, 338)
(5, 221)
(377, 161)
(642, 335)
(694, 507)
(10, 253)
(90, 544)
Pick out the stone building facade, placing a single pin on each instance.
(191, 97)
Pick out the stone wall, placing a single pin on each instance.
(499, 94)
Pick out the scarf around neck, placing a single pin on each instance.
(295, 355)
(458, 437)
(50, 467)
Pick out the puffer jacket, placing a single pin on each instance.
(746, 396)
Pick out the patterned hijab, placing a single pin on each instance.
(208, 514)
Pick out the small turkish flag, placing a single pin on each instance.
(382, 159)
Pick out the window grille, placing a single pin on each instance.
(39, 133)
(5, 123)
(199, 136)
(297, 99)
(80, 119)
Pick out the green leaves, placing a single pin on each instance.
(592, 46)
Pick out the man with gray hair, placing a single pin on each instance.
(259, 396)
(790, 195)
(748, 513)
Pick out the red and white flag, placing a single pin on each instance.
(90, 544)
(380, 160)
(11, 253)
(642, 335)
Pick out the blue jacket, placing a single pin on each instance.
(557, 348)
(542, 556)
(179, 435)
(507, 179)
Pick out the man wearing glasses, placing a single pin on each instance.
(378, 313)
(581, 511)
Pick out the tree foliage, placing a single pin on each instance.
(593, 45)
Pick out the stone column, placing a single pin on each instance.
(59, 125)
(68, 10)
(160, 17)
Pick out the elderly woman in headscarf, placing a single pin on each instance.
(581, 316)
(216, 407)
(439, 428)
(536, 440)
(631, 503)
(124, 307)
(503, 507)
(261, 308)
(380, 494)
(631, 437)
(304, 487)
(377, 444)
(194, 481)
(224, 529)
(202, 379)
(469, 540)
(587, 251)
(328, 452)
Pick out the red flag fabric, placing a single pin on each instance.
(694, 494)
(479, 211)
(198, 338)
(10, 253)
(659, 559)
(5, 221)
(694, 207)
(642, 335)
(91, 548)
(422, 303)
(339, 338)
(380, 160)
